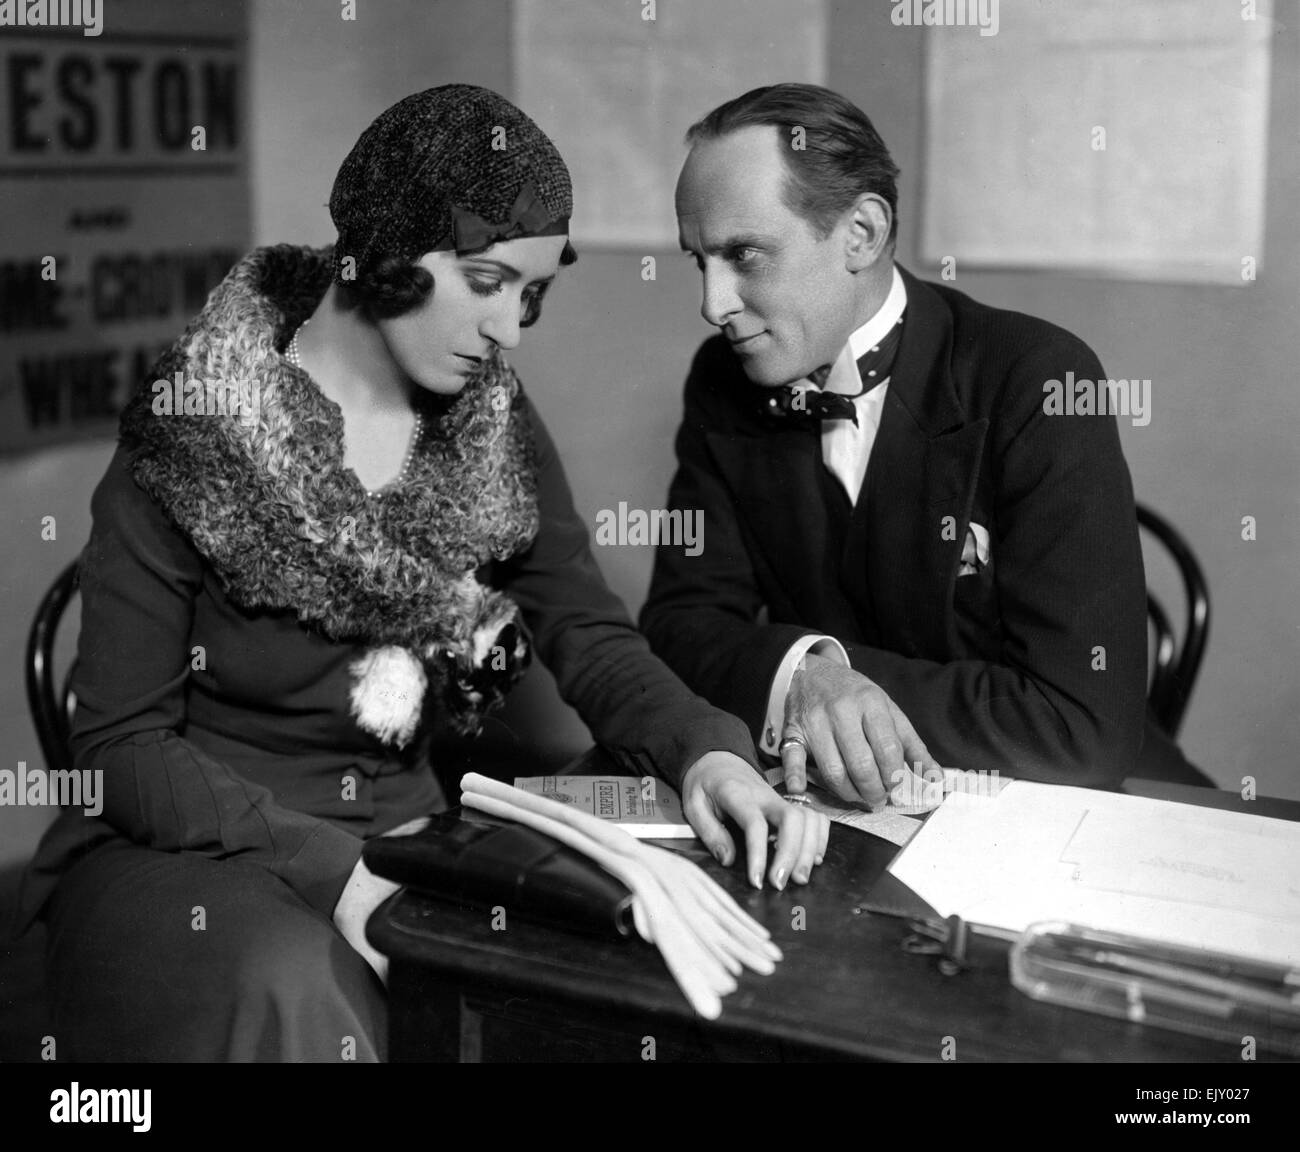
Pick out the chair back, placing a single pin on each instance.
(51, 700)
(1176, 665)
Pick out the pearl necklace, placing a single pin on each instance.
(294, 356)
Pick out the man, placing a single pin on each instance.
(908, 560)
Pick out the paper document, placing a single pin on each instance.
(889, 825)
(1201, 877)
(642, 806)
(897, 822)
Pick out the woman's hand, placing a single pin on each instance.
(721, 784)
(362, 894)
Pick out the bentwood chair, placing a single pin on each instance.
(1176, 664)
(49, 698)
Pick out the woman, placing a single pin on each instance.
(283, 607)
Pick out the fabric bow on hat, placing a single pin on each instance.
(528, 216)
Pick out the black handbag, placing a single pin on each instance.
(473, 860)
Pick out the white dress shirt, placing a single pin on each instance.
(846, 451)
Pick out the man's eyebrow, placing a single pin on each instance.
(509, 270)
(739, 240)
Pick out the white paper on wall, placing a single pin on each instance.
(616, 92)
(1126, 140)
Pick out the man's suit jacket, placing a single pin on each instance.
(1036, 664)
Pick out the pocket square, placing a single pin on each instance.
(975, 550)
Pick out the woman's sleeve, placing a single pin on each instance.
(139, 581)
(633, 704)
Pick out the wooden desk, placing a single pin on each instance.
(460, 990)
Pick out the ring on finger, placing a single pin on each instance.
(792, 742)
(802, 801)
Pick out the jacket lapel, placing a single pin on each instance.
(909, 529)
(777, 481)
(904, 546)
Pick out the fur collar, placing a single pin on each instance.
(265, 498)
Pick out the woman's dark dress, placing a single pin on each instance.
(192, 919)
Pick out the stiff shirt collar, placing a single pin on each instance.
(844, 376)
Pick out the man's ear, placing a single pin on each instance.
(869, 222)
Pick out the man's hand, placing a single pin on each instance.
(362, 894)
(721, 784)
(859, 739)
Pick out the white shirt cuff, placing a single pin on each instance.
(826, 646)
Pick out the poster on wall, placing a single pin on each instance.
(617, 85)
(1131, 146)
(124, 190)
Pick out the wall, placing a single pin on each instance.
(606, 365)
(1225, 407)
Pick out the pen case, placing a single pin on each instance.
(473, 861)
(1189, 990)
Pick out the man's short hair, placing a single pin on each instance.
(842, 155)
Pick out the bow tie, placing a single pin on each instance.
(800, 402)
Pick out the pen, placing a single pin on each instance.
(1269, 974)
(1176, 978)
(1259, 971)
(1172, 974)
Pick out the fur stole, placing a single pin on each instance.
(260, 489)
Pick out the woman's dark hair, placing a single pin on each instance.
(393, 286)
(834, 153)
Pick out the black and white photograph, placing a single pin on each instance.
(649, 532)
